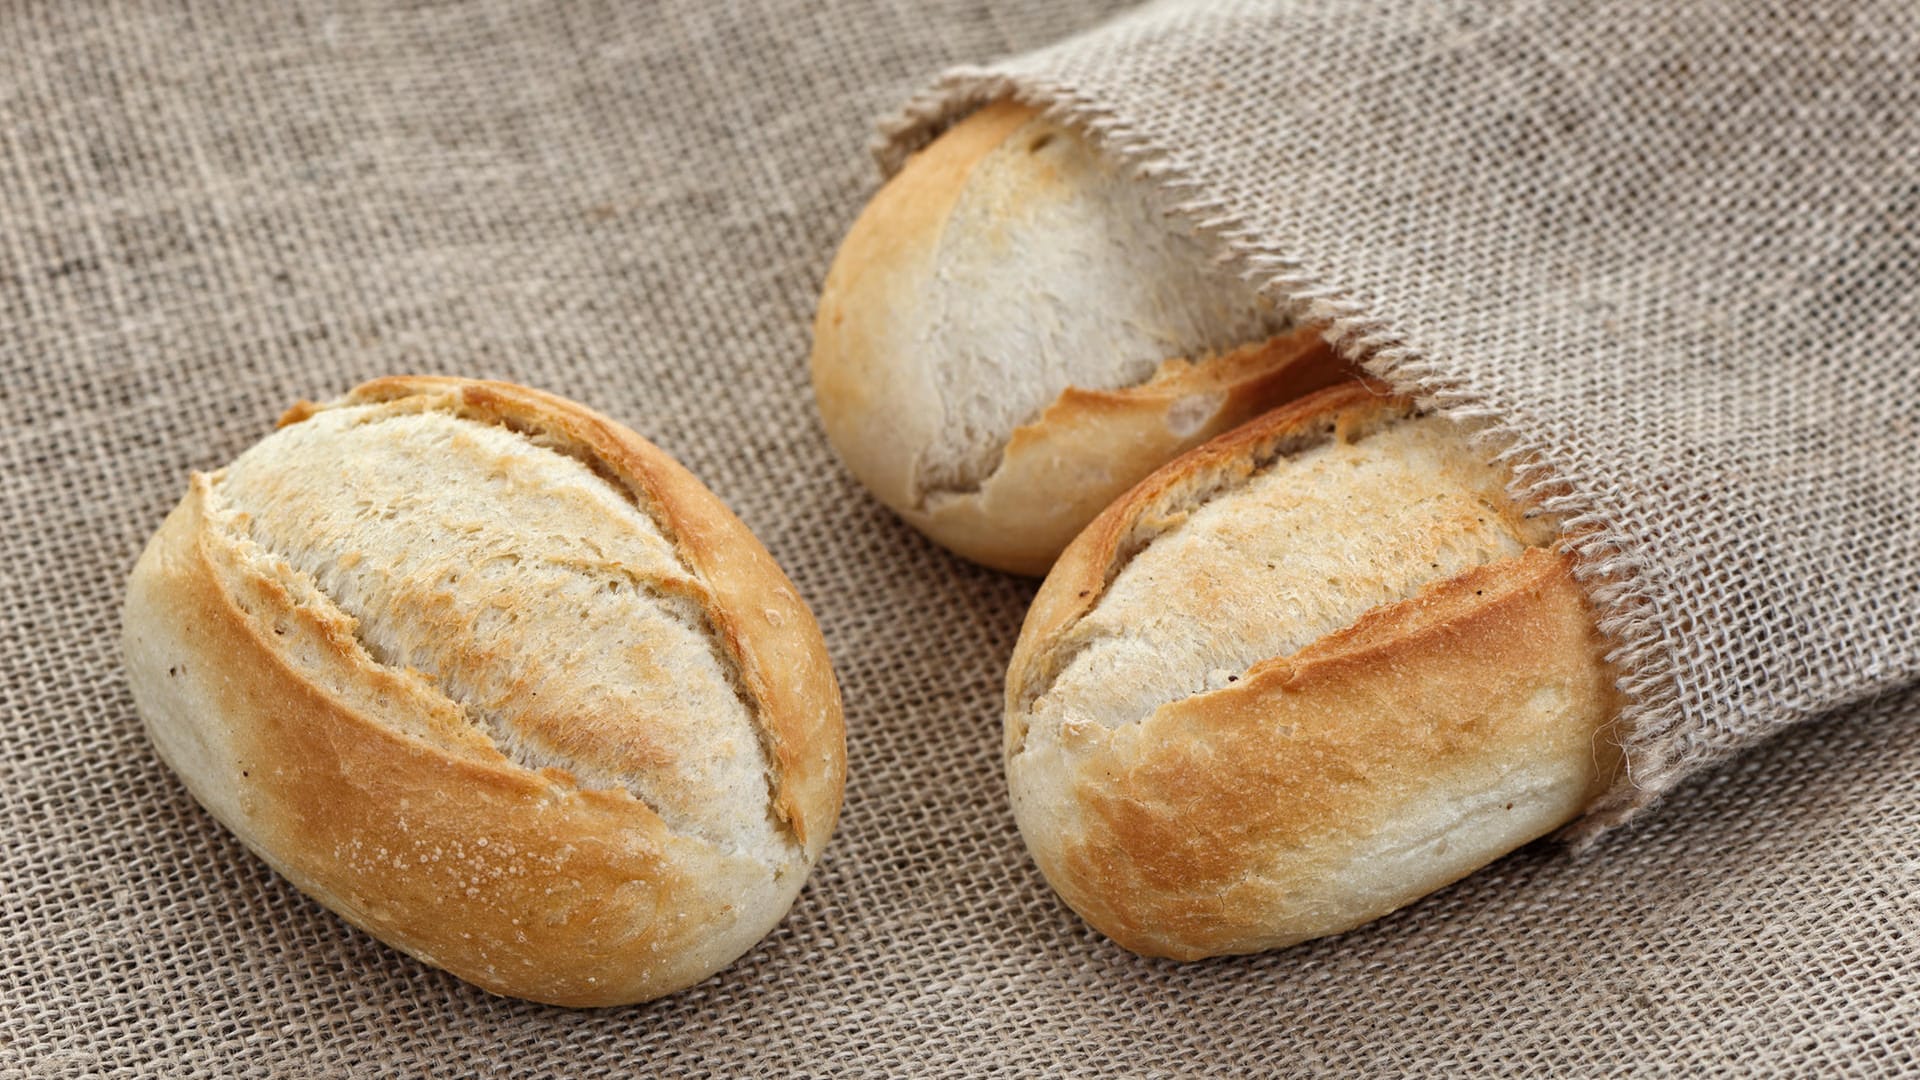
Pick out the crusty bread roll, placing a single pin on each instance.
(1013, 334)
(499, 682)
(1298, 678)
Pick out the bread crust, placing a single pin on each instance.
(879, 401)
(1089, 446)
(1325, 788)
(409, 821)
(874, 400)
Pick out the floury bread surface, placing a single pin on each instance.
(1299, 678)
(1013, 334)
(499, 682)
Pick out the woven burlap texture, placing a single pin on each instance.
(209, 211)
(1670, 252)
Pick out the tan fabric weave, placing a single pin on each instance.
(208, 212)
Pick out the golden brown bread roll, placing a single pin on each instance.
(499, 682)
(1014, 332)
(1299, 677)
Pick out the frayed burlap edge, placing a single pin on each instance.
(1651, 728)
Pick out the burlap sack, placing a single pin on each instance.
(1670, 252)
(209, 211)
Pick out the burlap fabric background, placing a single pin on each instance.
(206, 212)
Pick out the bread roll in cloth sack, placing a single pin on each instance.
(209, 213)
(1670, 251)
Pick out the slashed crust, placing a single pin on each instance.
(878, 398)
(1089, 446)
(366, 788)
(1081, 573)
(768, 630)
(1321, 789)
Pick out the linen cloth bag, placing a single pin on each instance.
(1668, 253)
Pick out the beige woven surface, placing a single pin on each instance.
(207, 212)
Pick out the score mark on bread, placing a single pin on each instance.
(499, 682)
(1014, 332)
(1298, 678)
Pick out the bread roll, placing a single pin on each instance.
(1014, 333)
(1298, 678)
(499, 682)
